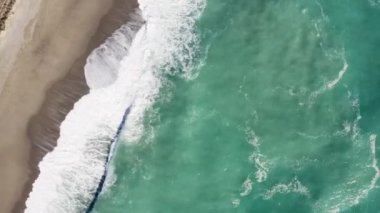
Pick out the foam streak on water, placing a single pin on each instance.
(70, 174)
(332, 83)
(257, 158)
(294, 186)
(374, 165)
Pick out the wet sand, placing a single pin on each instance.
(44, 81)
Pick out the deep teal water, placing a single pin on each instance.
(283, 116)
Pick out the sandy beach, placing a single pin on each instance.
(5, 10)
(42, 53)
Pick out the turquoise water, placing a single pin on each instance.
(282, 117)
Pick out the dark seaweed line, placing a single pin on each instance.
(110, 152)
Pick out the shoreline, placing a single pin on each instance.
(45, 81)
(44, 127)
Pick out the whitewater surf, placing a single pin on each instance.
(123, 73)
(235, 106)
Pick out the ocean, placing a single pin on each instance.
(233, 106)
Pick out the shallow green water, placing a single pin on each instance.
(283, 116)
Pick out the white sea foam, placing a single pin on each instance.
(171, 36)
(355, 124)
(257, 158)
(364, 174)
(71, 172)
(103, 63)
(329, 85)
(352, 191)
(247, 187)
(235, 202)
(374, 165)
(110, 180)
(332, 54)
(351, 128)
(294, 186)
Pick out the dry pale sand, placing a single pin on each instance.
(44, 80)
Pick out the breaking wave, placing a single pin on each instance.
(130, 79)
